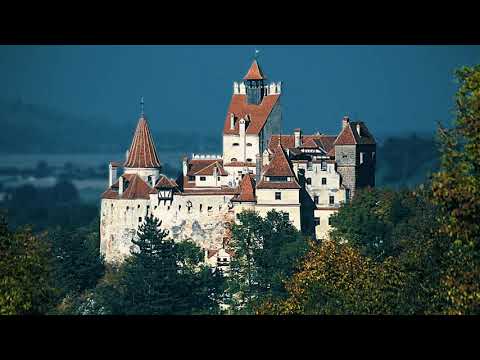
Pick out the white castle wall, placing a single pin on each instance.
(205, 226)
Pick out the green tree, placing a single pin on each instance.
(25, 282)
(77, 263)
(267, 251)
(456, 191)
(160, 277)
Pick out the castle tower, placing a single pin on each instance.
(355, 151)
(254, 84)
(142, 158)
(253, 115)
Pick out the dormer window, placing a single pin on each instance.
(191, 178)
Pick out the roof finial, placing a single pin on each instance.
(256, 54)
(141, 106)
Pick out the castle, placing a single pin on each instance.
(305, 176)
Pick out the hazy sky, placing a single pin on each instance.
(393, 88)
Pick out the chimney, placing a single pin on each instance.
(258, 169)
(358, 130)
(242, 127)
(184, 166)
(120, 185)
(297, 134)
(345, 122)
(232, 121)
(112, 174)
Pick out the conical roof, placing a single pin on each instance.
(142, 152)
(254, 73)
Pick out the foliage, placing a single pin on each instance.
(266, 251)
(77, 263)
(160, 277)
(456, 191)
(25, 282)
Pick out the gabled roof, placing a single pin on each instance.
(209, 169)
(142, 152)
(254, 73)
(165, 183)
(279, 165)
(324, 142)
(349, 135)
(258, 113)
(134, 188)
(278, 185)
(247, 190)
(196, 165)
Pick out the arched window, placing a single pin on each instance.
(249, 144)
(233, 159)
(235, 144)
(249, 160)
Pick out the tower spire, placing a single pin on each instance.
(141, 107)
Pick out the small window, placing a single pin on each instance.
(309, 181)
(249, 144)
(309, 165)
(235, 144)
(331, 200)
(191, 178)
(324, 165)
(233, 159)
(237, 216)
(324, 181)
(329, 221)
(278, 196)
(139, 219)
(179, 207)
(249, 160)
(361, 158)
(218, 178)
(209, 208)
(315, 198)
(316, 221)
(201, 207)
(203, 178)
(344, 156)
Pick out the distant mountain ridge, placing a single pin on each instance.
(29, 128)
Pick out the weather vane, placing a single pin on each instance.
(256, 53)
(141, 105)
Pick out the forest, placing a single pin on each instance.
(392, 250)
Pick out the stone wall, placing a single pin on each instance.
(200, 218)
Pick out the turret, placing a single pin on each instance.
(254, 84)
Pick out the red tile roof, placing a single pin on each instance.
(247, 189)
(142, 151)
(258, 113)
(240, 164)
(279, 165)
(165, 183)
(309, 141)
(254, 73)
(134, 188)
(350, 136)
(208, 170)
(195, 165)
(278, 185)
